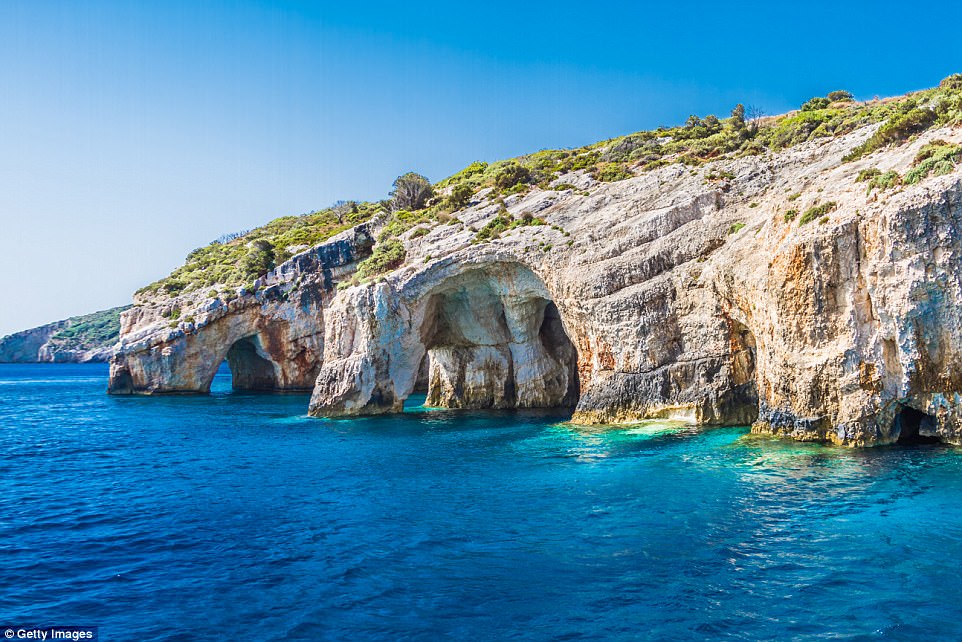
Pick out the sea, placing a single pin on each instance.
(235, 516)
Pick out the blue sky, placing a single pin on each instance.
(133, 132)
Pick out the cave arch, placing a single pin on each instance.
(494, 338)
(251, 367)
(914, 428)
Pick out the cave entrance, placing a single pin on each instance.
(488, 346)
(915, 428)
(556, 343)
(250, 367)
(744, 406)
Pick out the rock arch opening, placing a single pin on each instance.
(915, 428)
(250, 366)
(497, 341)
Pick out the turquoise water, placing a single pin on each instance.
(235, 517)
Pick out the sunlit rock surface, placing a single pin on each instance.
(673, 294)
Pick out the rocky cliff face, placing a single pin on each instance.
(83, 339)
(271, 336)
(694, 293)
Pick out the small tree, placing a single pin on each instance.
(738, 116)
(411, 192)
(754, 115)
(341, 209)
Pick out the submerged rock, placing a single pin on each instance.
(672, 294)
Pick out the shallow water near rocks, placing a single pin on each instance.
(234, 516)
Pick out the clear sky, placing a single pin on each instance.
(133, 132)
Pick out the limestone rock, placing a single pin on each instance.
(670, 294)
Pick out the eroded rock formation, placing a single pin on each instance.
(682, 292)
(272, 338)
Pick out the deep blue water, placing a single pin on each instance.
(235, 517)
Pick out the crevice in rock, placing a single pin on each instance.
(424, 375)
(556, 343)
(744, 352)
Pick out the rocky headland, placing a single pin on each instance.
(799, 274)
(83, 339)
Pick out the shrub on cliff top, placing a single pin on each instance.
(459, 197)
(938, 157)
(471, 173)
(503, 222)
(884, 181)
(259, 260)
(951, 82)
(386, 256)
(510, 176)
(841, 96)
(904, 123)
(816, 103)
(612, 172)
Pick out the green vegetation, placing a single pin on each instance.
(504, 222)
(611, 172)
(459, 197)
(952, 82)
(411, 192)
(736, 227)
(401, 221)
(511, 176)
(817, 211)
(89, 331)
(260, 258)
(387, 255)
(471, 175)
(814, 104)
(938, 158)
(720, 176)
(877, 180)
(904, 123)
(840, 96)
(791, 215)
(241, 259)
(237, 259)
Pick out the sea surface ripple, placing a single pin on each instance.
(234, 516)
